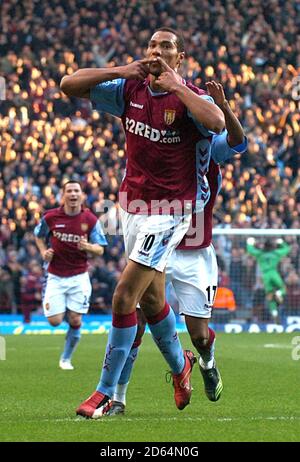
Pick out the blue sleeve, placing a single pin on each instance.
(201, 127)
(41, 230)
(220, 149)
(108, 97)
(97, 235)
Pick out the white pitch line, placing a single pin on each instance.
(172, 419)
(277, 345)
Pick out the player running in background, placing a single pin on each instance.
(192, 268)
(73, 232)
(268, 259)
(166, 122)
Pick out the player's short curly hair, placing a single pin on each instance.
(179, 36)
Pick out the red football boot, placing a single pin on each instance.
(94, 407)
(182, 382)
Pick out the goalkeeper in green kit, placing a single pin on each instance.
(268, 259)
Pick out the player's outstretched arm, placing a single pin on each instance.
(80, 83)
(251, 249)
(283, 249)
(235, 130)
(206, 113)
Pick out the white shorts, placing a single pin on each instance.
(72, 293)
(150, 240)
(194, 275)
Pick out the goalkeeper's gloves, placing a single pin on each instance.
(251, 241)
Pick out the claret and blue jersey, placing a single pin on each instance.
(220, 152)
(64, 232)
(168, 152)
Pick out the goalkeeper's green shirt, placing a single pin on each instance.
(268, 260)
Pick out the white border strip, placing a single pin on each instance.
(255, 232)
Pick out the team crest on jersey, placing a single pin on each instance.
(84, 227)
(169, 116)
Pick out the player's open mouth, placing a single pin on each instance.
(155, 69)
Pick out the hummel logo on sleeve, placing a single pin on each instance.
(138, 106)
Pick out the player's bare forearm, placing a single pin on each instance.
(94, 249)
(46, 253)
(40, 245)
(80, 83)
(236, 133)
(233, 126)
(206, 113)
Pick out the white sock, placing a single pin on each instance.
(207, 365)
(120, 393)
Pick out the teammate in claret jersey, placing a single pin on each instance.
(167, 123)
(72, 232)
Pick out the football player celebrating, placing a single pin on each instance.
(192, 268)
(166, 122)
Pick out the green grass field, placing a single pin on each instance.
(260, 402)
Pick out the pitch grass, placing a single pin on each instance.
(260, 402)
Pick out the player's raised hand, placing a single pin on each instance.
(137, 70)
(168, 80)
(48, 255)
(215, 90)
